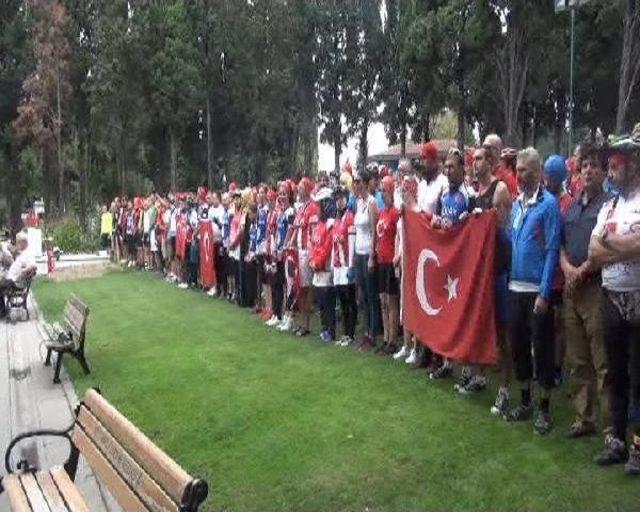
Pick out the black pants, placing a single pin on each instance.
(277, 289)
(221, 271)
(527, 330)
(349, 306)
(326, 296)
(622, 344)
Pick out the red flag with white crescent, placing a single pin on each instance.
(449, 287)
(207, 255)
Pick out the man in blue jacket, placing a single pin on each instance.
(535, 241)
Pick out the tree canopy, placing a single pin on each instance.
(99, 98)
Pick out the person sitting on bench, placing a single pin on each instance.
(24, 263)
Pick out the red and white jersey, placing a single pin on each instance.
(306, 217)
(343, 248)
(343, 240)
(272, 228)
(386, 234)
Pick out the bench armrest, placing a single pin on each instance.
(23, 465)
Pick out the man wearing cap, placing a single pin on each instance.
(555, 174)
(582, 298)
(615, 245)
(432, 183)
(24, 264)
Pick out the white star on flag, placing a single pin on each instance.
(452, 287)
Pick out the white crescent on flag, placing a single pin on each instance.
(424, 256)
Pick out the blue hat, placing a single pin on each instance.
(556, 167)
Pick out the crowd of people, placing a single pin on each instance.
(567, 267)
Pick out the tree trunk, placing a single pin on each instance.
(629, 63)
(61, 198)
(173, 148)
(337, 149)
(209, 144)
(83, 183)
(427, 128)
(403, 141)
(363, 144)
(462, 108)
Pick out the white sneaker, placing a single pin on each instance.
(403, 352)
(413, 357)
(339, 341)
(211, 292)
(273, 321)
(183, 286)
(346, 341)
(286, 324)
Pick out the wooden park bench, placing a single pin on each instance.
(69, 337)
(17, 295)
(139, 475)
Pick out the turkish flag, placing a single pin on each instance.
(207, 255)
(448, 286)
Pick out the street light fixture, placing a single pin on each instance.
(561, 6)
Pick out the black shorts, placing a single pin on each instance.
(387, 280)
(105, 240)
(132, 242)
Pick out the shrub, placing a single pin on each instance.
(68, 235)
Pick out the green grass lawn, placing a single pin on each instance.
(275, 423)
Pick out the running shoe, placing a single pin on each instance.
(443, 372)
(413, 357)
(273, 321)
(542, 424)
(403, 352)
(476, 384)
(615, 452)
(519, 413)
(632, 467)
(346, 341)
(286, 324)
(465, 377)
(501, 405)
(183, 286)
(325, 337)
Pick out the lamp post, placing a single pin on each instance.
(561, 6)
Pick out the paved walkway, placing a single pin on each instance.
(29, 400)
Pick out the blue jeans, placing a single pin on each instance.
(368, 286)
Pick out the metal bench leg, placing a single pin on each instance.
(56, 375)
(47, 361)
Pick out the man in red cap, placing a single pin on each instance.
(433, 182)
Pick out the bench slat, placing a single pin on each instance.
(106, 474)
(50, 491)
(75, 502)
(17, 497)
(144, 486)
(34, 493)
(171, 477)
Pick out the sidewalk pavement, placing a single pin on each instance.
(29, 400)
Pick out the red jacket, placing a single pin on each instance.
(321, 244)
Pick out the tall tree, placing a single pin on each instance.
(46, 90)
(174, 73)
(364, 52)
(629, 61)
(331, 60)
